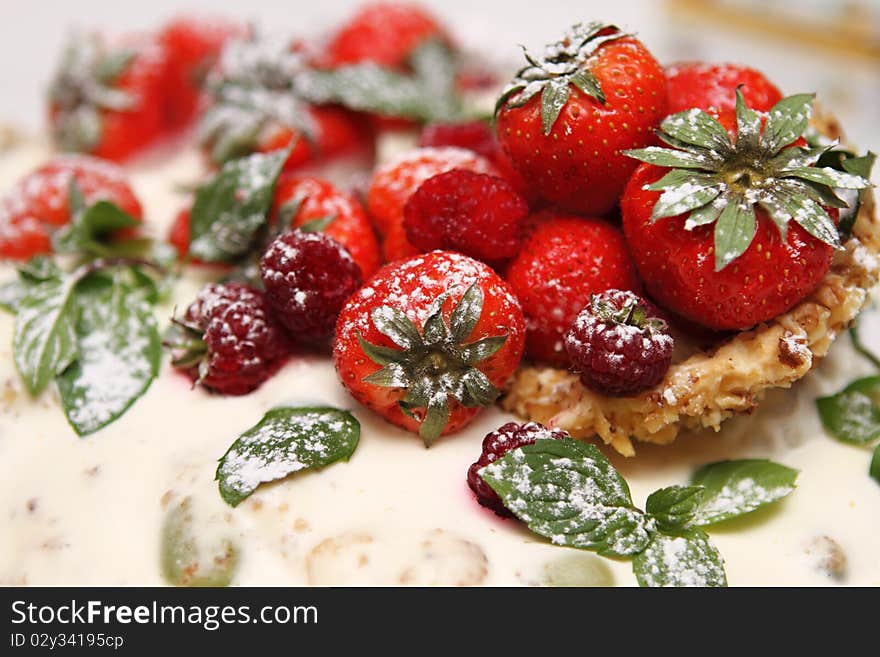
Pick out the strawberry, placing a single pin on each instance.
(108, 96)
(429, 341)
(711, 87)
(565, 119)
(306, 202)
(193, 45)
(255, 107)
(396, 245)
(394, 183)
(564, 261)
(39, 203)
(385, 33)
(734, 224)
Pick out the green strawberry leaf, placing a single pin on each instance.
(689, 559)
(734, 231)
(285, 441)
(735, 488)
(853, 414)
(232, 208)
(697, 128)
(673, 507)
(787, 120)
(119, 352)
(569, 492)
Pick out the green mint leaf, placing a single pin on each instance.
(686, 560)
(44, 342)
(34, 271)
(569, 492)
(119, 352)
(673, 507)
(735, 488)
(285, 441)
(317, 225)
(874, 469)
(232, 207)
(187, 558)
(87, 229)
(859, 166)
(853, 414)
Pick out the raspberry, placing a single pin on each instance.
(475, 136)
(240, 343)
(477, 214)
(495, 445)
(308, 277)
(619, 344)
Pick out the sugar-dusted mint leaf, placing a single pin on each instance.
(90, 225)
(232, 207)
(674, 506)
(119, 352)
(569, 492)
(44, 342)
(33, 272)
(735, 488)
(853, 414)
(874, 469)
(688, 559)
(285, 441)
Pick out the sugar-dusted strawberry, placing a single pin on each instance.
(429, 341)
(396, 245)
(193, 45)
(734, 224)
(563, 262)
(473, 213)
(108, 96)
(384, 33)
(393, 183)
(712, 86)
(39, 203)
(227, 340)
(255, 107)
(315, 204)
(566, 117)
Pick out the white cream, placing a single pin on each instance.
(89, 511)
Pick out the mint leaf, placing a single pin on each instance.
(36, 270)
(187, 558)
(686, 560)
(44, 342)
(317, 225)
(569, 492)
(735, 488)
(89, 227)
(853, 414)
(673, 507)
(119, 352)
(232, 207)
(874, 470)
(285, 441)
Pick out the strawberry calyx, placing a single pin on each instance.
(718, 180)
(435, 362)
(564, 63)
(82, 87)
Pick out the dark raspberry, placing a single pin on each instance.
(497, 444)
(229, 341)
(475, 136)
(476, 214)
(619, 344)
(308, 278)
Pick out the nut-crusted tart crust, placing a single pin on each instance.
(705, 386)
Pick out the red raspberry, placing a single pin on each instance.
(619, 344)
(497, 444)
(308, 277)
(240, 345)
(477, 214)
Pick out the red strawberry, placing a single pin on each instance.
(227, 341)
(39, 203)
(385, 33)
(712, 86)
(193, 45)
(396, 245)
(178, 234)
(394, 182)
(564, 261)
(773, 234)
(565, 119)
(108, 96)
(429, 341)
(339, 215)
(472, 213)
